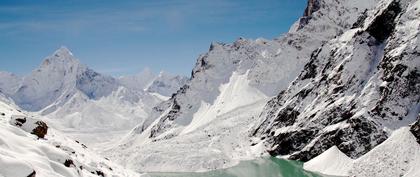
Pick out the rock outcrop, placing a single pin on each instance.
(415, 129)
(30, 125)
(353, 86)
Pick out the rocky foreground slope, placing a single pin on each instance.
(28, 147)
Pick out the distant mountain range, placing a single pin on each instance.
(63, 88)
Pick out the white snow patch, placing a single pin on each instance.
(331, 162)
(399, 155)
(234, 94)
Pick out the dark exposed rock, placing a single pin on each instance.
(287, 117)
(309, 70)
(310, 132)
(33, 174)
(312, 6)
(202, 63)
(174, 111)
(413, 83)
(415, 129)
(68, 163)
(360, 20)
(84, 146)
(100, 173)
(384, 24)
(286, 143)
(40, 130)
(360, 134)
(20, 121)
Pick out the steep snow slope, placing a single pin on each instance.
(218, 144)
(355, 89)
(228, 78)
(23, 154)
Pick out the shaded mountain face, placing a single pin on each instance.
(354, 90)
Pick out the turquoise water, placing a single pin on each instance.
(267, 167)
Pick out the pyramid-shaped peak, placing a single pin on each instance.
(62, 56)
(63, 51)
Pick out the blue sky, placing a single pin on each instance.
(123, 37)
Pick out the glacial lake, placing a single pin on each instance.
(266, 167)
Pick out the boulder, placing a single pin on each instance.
(415, 129)
(30, 125)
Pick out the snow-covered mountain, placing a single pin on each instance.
(266, 66)
(342, 84)
(164, 83)
(355, 90)
(346, 74)
(76, 99)
(58, 78)
(82, 104)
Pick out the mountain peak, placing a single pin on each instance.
(62, 56)
(63, 51)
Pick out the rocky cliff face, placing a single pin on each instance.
(269, 65)
(355, 88)
(313, 6)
